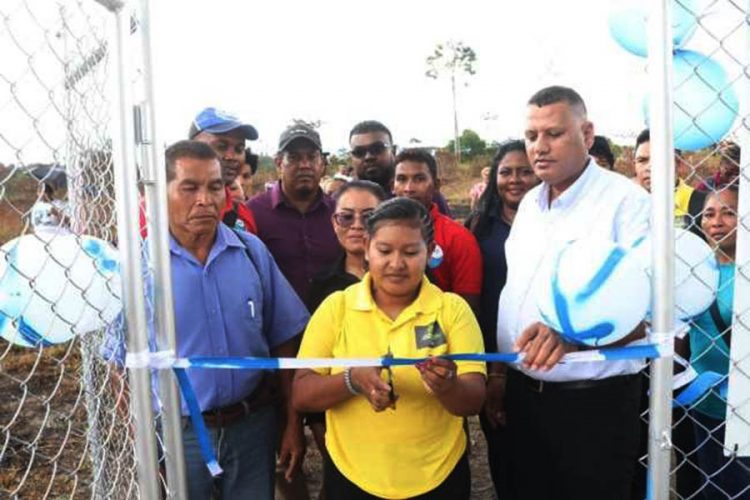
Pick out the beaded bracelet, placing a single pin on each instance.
(348, 382)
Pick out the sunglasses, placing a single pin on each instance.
(374, 149)
(346, 219)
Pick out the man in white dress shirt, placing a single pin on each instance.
(573, 428)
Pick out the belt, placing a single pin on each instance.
(540, 386)
(264, 394)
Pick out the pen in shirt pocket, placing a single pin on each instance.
(251, 305)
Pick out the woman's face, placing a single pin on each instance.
(719, 222)
(514, 178)
(352, 210)
(397, 256)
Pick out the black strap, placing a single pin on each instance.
(721, 325)
(247, 251)
(230, 218)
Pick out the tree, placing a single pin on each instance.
(470, 143)
(454, 59)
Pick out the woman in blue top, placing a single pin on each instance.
(510, 178)
(710, 336)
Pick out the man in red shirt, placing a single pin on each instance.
(226, 134)
(456, 264)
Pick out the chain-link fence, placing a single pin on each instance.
(64, 417)
(710, 433)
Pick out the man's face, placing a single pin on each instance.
(558, 138)
(231, 150)
(246, 179)
(413, 180)
(372, 158)
(300, 168)
(195, 197)
(643, 165)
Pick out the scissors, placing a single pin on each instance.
(392, 393)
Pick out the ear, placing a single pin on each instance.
(430, 249)
(588, 134)
(277, 161)
(436, 182)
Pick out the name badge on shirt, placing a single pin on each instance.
(429, 336)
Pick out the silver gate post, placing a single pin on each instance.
(662, 231)
(130, 260)
(155, 187)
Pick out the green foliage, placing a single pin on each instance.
(471, 144)
(453, 57)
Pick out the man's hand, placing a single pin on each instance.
(494, 404)
(368, 382)
(292, 448)
(542, 347)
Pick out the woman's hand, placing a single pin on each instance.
(367, 381)
(494, 404)
(438, 375)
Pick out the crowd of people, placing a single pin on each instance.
(374, 266)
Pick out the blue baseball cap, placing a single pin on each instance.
(216, 121)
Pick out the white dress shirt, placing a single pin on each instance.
(600, 203)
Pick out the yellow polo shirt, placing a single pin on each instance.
(682, 195)
(408, 451)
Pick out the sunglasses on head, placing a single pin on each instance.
(374, 149)
(346, 219)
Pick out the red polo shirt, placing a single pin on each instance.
(461, 268)
(245, 218)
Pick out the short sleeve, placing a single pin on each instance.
(320, 335)
(466, 263)
(464, 335)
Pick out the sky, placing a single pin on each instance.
(342, 62)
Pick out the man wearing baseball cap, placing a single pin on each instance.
(294, 216)
(226, 134)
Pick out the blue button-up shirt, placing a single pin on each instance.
(229, 306)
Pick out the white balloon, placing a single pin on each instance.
(593, 292)
(696, 272)
(55, 286)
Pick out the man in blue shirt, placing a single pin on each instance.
(230, 299)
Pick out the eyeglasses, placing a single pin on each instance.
(374, 149)
(346, 219)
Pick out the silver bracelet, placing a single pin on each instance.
(348, 382)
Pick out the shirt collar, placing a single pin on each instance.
(426, 302)
(225, 238)
(568, 197)
(278, 197)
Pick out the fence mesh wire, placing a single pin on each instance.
(65, 428)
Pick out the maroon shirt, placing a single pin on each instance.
(301, 244)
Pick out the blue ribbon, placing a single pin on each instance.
(204, 441)
(700, 386)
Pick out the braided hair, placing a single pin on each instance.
(406, 210)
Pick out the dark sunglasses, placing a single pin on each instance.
(374, 149)
(346, 219)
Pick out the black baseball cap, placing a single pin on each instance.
(299, 131)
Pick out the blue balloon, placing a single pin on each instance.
(705, 104)
(628, 24)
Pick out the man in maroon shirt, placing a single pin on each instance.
(294, 216)
(226, 135)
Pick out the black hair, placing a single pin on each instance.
(252, 160)
(362, 185)
(418, 155)
(490, 202)
(555, 94)
(187, 149)
(644, 136)
(402, 209)
(600, 147)
(369, 126)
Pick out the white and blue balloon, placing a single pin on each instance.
(52, 289)
(705, 104)
(595, 292)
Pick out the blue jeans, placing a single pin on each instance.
(245, 450)
(724, 477)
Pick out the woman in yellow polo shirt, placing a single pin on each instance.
(404, 439)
